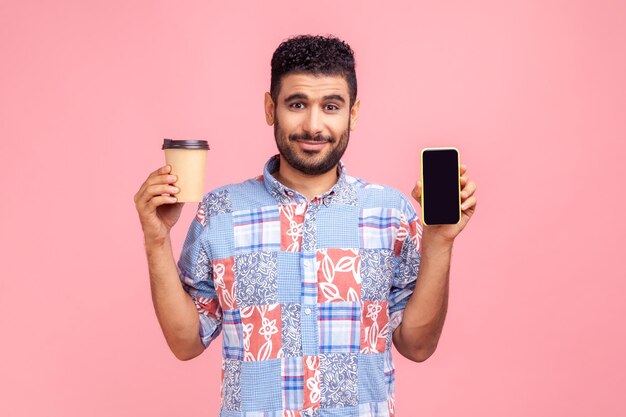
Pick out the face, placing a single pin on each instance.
(312, 121)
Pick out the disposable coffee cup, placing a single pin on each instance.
(188, 161)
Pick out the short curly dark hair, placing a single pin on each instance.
(319, 55)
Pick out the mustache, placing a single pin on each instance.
(309, 137)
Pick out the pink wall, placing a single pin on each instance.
(533, 93)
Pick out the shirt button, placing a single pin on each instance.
(307, 311)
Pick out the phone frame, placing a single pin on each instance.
(458, 159)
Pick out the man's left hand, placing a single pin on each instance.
(448, 232)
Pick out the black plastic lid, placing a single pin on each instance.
(185, 144)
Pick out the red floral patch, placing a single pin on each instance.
(374, 326)
(338, 275)
(224, 280)
(262, 332)
(312, 392)
(291, 224)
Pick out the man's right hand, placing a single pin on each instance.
(157, 206)
(175, 310)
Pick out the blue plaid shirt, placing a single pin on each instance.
(305, 293)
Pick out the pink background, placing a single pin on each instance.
(533, 93)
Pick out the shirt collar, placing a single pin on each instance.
(286, 195)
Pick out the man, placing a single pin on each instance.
(309, 273)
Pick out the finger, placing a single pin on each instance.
(417, 190)
(463, 169)
(154, 190)
(159, 189)
(160, 200)
(156, 180)
(469, 203)
(468, 190)
(161, 179)
(161, 170)
(463, 181)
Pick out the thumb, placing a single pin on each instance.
(417, 191)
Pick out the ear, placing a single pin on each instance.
(354, 113)
(269, 109)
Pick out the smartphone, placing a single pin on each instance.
(441, 186)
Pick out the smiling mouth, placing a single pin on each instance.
(312, 139)
(312, 142)
(311, 145)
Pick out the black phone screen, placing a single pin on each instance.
(440, 182)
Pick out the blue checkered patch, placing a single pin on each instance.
(293, 383)
(232, 342)
(261, 385)
(379, 227)
(371, 384)
(257, 230)
(340, 327)
(309, 278)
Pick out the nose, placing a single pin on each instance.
(313, 123)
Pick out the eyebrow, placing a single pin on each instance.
(296, 96)
(335, 97)
(302, 96)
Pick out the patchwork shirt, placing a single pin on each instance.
(306, 294)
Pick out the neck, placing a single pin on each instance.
(309, 186)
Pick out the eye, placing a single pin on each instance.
(296, 105)
(332, 107)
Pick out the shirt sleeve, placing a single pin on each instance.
(407, 250)
(196, 275)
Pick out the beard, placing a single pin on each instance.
(312, 165)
